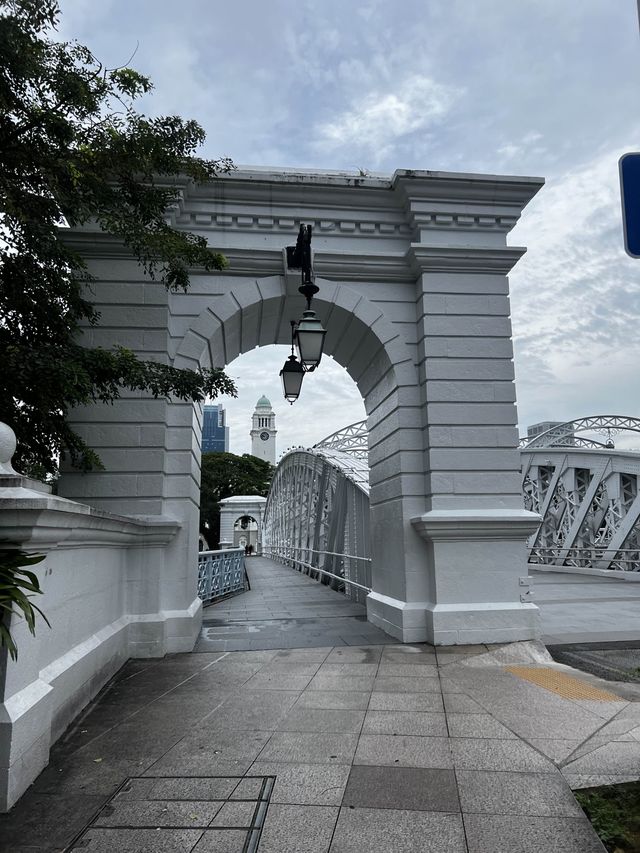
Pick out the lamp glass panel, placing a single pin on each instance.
(291, 375)
(309, 338)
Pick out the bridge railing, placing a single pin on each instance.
(621, 560)
(353, 571)
(221, 573)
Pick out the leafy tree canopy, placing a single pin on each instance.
(225, 475)
(73, 150)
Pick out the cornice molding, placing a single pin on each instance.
(31, 519)
(469, 187)
(461, 525)
(497, 260)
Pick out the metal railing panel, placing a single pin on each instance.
(221, 573)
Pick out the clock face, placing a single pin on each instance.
(264, 436)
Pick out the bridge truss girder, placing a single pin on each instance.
(317, 519)
(590, 505)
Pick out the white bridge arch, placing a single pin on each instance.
(412, 271)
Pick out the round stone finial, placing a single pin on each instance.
(7, 448)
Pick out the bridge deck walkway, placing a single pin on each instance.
(285, 609)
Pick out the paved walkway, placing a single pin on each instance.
(347, 749)
(285, 609)
(586, 608)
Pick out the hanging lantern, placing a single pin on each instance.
(292, 374)
(309, 338)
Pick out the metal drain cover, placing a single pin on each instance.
(203, 814)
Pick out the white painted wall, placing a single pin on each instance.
(102, 580)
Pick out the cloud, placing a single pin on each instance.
(383, 117)
(575, 300)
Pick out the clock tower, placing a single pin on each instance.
(263, 431)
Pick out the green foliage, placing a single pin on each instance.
(17, 587)
(74, 151)
(225, 475)
(614, 811)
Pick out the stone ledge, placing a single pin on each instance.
(32, 519)
(488, 524)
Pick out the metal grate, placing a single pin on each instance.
(225, 813)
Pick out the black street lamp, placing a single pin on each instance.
(307, 333)
(292, 374)
(309, 338)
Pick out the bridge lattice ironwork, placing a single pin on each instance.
(317, 517)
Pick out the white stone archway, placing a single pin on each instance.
(412, 272)
(232, 510)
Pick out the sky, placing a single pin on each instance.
(525, 87)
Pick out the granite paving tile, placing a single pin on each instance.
(413, 669)
(616, 757)
(336, 699)
(450, 685)
(131, 740)
(249, 789)
(348, 669)
(506, 793)
(341, 682)
(221, 744)
(405, 723)
(460, 703)
(409, 650)
(404, 751)
(278, 680)
(235, 814)
(412, 788)
(356, 654)
(178, 789)
(310, 748)
(288, 667)
(604, 710)
(406, 702)
(476, 726)
(526, 834)
(85, 775)
(47, 819)
(260, 709)
(298, 829)
(155, 813)
(398, 831)
(321, 720)
(484, 754)
(102, 840)
(317, 655)
(305, 784)
(222, 841)
(400, 684)
(556, 750)
(206, 764)
(585, 780)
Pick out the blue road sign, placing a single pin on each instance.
(630, 192)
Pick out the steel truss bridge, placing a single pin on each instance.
(586, 490)
(317, 513)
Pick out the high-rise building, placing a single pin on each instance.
(561, 432)
(215, 433)
(263, 431)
